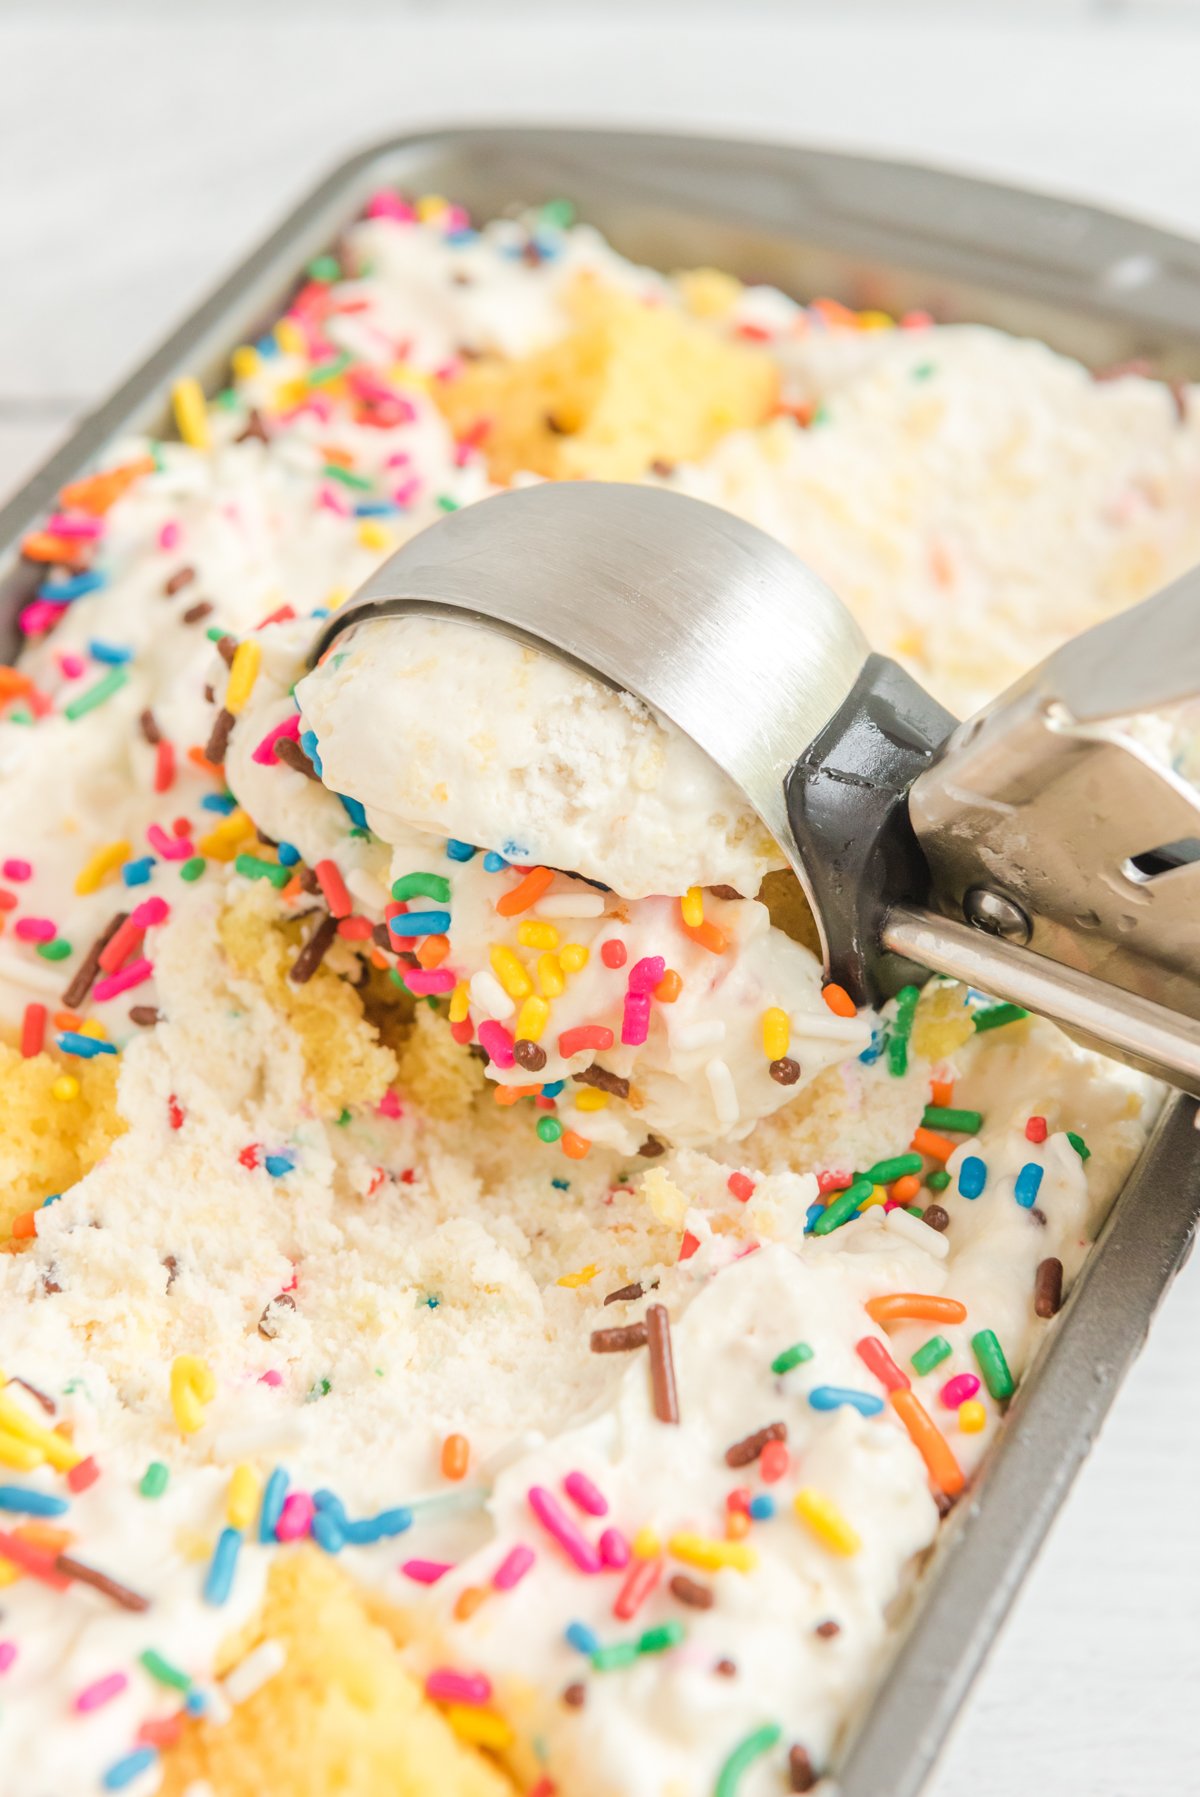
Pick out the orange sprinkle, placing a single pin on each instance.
(354, 929)
(96, 492)
(468, 1601)
(340, 458)
(839, 1000)
(929, 1442)
(574, 1146)
(199, 759)
(525, 893)
(919, 1306)
(668, 988)
(66, 1020)
(737, 1524)
(433, 950)
(906, 1188)
(42, 547)
(927, 1141)
(45, 1535)
(708, 936)
(13, 684)
(512, 1094)
(292, 890)
(25, 1224)
(941, 1093)
(456, 1454)
(379, 960)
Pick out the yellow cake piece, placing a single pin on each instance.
(341, 1718)
(49, 1142)
(434, 1073)
(630, 385)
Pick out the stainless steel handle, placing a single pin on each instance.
(1116, 1022)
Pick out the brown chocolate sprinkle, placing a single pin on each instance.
(801, 1776)
(308, 880)
(664, 470)
(529, 1055)
(662, 1364)
(751, 1446)
(145, 1015)
(314, 950)
(575, 1696)
(691, 1592)
(181, 578)
(210, 692)
(293, 756)
(227, 649)
(603, 1080)
(1047, 1288)
(40, 1397)
(827, 1630)
(555, 425)
(619, 1341)
(50, 1284)
(382, 937)
(100, 1581)
(784, 1071)
(149, 727)
(268, 1325)
(194, 613)
(255, 431)
(725, 892)
(944, 1504)
(625, 1294)
(936, 1216)
(218, 742)
(89, 967)
(1039, 1216)
(651, 1148)
(172, 1266)
(726, 1668)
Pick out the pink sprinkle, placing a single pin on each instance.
(332, 502)
(423, 981)
(83, 1474)
(171, 848)
(170, 534)
(271, 1378)
(645, 974)
(102, 1691)
(114, 984)
(497, 1040)
(614, 1549)
(635, 1019)
(580, 1489)
(8, 1653)
(956, 1391)
(570, 1538)
(389, 1105)
(405, 494)
(40, 615)
(295, 1519)
(35, 929)
(389, 205)
(17, 870)
(513, 1567)
(447, 1686)
(264, 755)
(62, 525)
(151, 911)
(426, 1572)
(400, 458)
(72, 666)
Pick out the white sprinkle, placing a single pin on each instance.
(570, 904)
(217, 1708)
(256, 1670)
(490, 996)
(288, 1429)
(831, 1028)
(724, 1093)
(698, 1035)
(367, 888)
(902, 1222)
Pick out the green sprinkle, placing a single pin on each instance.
(842, 1208)
(743, 1756)
(324, 268)
(796, 1355)
(397, 979)
(446, 504)
(226, 400)
(1079, 1145)
(992, 1365)
(163, 1671)
(549, 1129)
(96, 695)
(215, 632)
(897, 1046)
(996, 1016)
(923, 370)
(432, 886)
(941, 1116)
(321, 1389)
(57, 950)
(658, 1640)
(20, 716)
(192, 868)
(937, 1182)
(898, 1166)
(344, 1118)
(361, 483)
(611, 1659)
(560, 213)
(154, 1480)
(931, 1354)
(329, 371)
(254, 868)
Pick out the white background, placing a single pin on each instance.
(144, 147)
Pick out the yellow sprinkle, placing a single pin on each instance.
(288, 394)
(223, 842)
(54, 1448)
(550, 976)
(712, 1555)
(290, 338)
(584, 1276)
(242, 1501)
(509, 971)
(193, 1544)
(23, 1455)
(972, 1417)
(691, 906)
(374, 535)
(192, 1387)
(589, 1099)
(402, 374)
(430, 207)
(646, 1544)
(9, 1574)
(483, 1728)
(97, 869)
(826, 1521)
(573, 956)
(776, 1033)
(532, 1019)
(94, 1029)
(532, 934)
(191, 412)
(875, 321)
(878, 1196)
(460, 1002)
(65, 1088)
(243, 672)
(244, 362)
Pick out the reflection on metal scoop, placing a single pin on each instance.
(1035, 851)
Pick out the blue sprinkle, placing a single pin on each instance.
(354, 811)
(460, 851)
(515, 852)
(375, 508)
(308, 742)
(123, 1772)
(86, 1047)
(61, 592)
(972, 1177)
(328, 1532)
(114, 654)
(29, 1502)
(195, 1702)
(274, 1493)
(218, 1581)
(494, 863)
(420, 923)
(52, 1199)
(278, 1164)
(832, 1397)
(561, 1185)
(319, 611)
(267, 346)
(136, 873)
(580, 1636)
(381, 1527)
(458, 238)
(1029, 1180)
(224, 802)
(762, 1507)
(288, 854)
(873, 1051)
(553, 1089)
(810, 1216)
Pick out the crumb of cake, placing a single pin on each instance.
(47, 1143)
(345, 1062)
(341, 1714)
(632, 384)
(433, 1071)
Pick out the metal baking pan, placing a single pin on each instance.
(870, 233)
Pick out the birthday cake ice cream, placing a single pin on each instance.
(479, 1313)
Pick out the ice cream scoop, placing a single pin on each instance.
(1037, 851)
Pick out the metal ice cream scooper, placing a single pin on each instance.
(1037, 851)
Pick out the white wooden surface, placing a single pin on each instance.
(142, 152)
